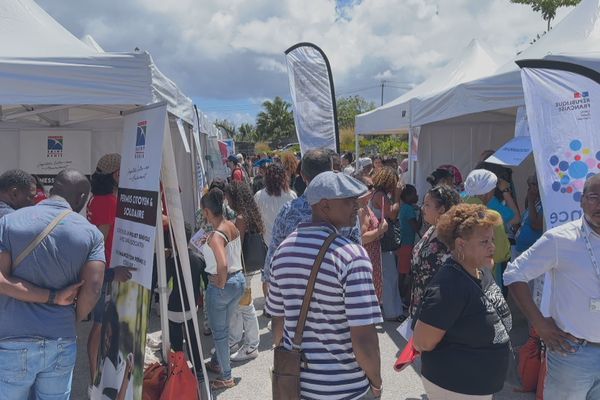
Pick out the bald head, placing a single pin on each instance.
(72, 186)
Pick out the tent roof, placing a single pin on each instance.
(577, 35)
(473, 62)
(41, 63)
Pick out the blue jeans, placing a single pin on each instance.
(222, 304)
(37, 368)
(574, 376)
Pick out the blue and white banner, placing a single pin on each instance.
(563, 110)
(313, 97)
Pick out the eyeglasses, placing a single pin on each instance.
(593, 199)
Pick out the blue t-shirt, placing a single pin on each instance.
(54, 264)
(506, 212)
(527, 235)
(407, 212)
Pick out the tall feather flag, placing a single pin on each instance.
(313, 97)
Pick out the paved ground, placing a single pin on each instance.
(253, 376)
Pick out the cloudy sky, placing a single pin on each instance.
(228, 54)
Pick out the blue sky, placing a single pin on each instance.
(227, 55)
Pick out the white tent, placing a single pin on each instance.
(474, 61)
(460, 122)
(50, 80)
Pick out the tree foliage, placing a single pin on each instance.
(547, 7)
(247, 133)
(227, 126)
(349, 107)
(276, 121)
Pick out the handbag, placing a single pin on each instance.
(287, 364)
(530, 362)
(407, 357)
(154, 381)
(254, 250)
(392, 238)
(246, 299)
(181, 382)
(539, 394)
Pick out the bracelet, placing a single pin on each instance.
(52, 297)
(379, 389)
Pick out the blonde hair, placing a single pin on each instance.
(462, 219)
(385, 179)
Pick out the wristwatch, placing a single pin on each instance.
(52, 297)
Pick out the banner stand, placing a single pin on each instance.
(163, 285)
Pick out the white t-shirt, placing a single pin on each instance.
(269, 207)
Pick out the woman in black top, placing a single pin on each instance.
(463, 320)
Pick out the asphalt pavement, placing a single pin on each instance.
(253, 376)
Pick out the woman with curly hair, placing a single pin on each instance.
(290, 164)
(463, 321)
(270, 199)
(386, 205)
(248, 220)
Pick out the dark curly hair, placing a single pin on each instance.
(444, 196)
(385, 179)
(103, 184)
(276, 180)
(462, 220)
(242, 202)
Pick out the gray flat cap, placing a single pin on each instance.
(333, 185)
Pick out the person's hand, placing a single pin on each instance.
(554, 338)
(129, 365)
(377, 390)
(67, 296)
(122, 273)
(533, 194)
(503, 185)
(383, 227)
(214, 279)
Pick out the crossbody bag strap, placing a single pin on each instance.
(43, 234)
(310, 286)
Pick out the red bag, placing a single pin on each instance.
(181, 382)
(539, 394)
(407, 357)
(529, 362)
(154, 381)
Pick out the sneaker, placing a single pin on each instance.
(245, 353)
(234, 348)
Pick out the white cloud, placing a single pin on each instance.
(233, 49)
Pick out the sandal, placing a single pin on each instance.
(213, 367)
(221, 383)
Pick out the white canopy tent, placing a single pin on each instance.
(50, 80)
(456, 124)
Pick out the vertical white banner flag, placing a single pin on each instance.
(313, 97)
(563, 111)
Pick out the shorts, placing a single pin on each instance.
(404, 254)
(98, 311)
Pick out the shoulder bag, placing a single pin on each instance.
(287, 364)
(392, 238)
(254, 251)
(42, 235)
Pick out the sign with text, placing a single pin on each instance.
(135, 227)
(47, 152)
(512, 153)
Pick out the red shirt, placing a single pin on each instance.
(237, 175)
(102, 210)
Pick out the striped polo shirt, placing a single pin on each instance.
(343, 297)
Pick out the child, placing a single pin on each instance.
(409, 226)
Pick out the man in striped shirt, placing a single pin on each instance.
(340, 341)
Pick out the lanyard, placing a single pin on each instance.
(588, 245)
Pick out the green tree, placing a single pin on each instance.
(547, 7)
(247, 132)
(349, 107)
(276, 122)
(226, 126)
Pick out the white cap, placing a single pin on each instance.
(480, 181)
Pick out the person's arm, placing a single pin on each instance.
(427, 337)
(365, 344)
(514, 213)
(217, 244)
(367, 235)
(278, 235)
(535, 217)
(240, 224)
(92, 276)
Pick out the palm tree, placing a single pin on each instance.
(247, 132)
(276, 121)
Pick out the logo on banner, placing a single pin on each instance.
(55, 146)
(572, 168)
(580, 102)
(140, 139)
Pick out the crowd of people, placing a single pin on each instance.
(442, 261)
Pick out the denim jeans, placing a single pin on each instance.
(575, 376)
(222, 304)
(37, 368)
(245, 323)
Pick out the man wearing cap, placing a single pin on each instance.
(480, 186)
(298, 210)
(340, 340)
(237, 172)
(17, 190)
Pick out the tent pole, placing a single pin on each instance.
(356, 146)
(163, 288)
